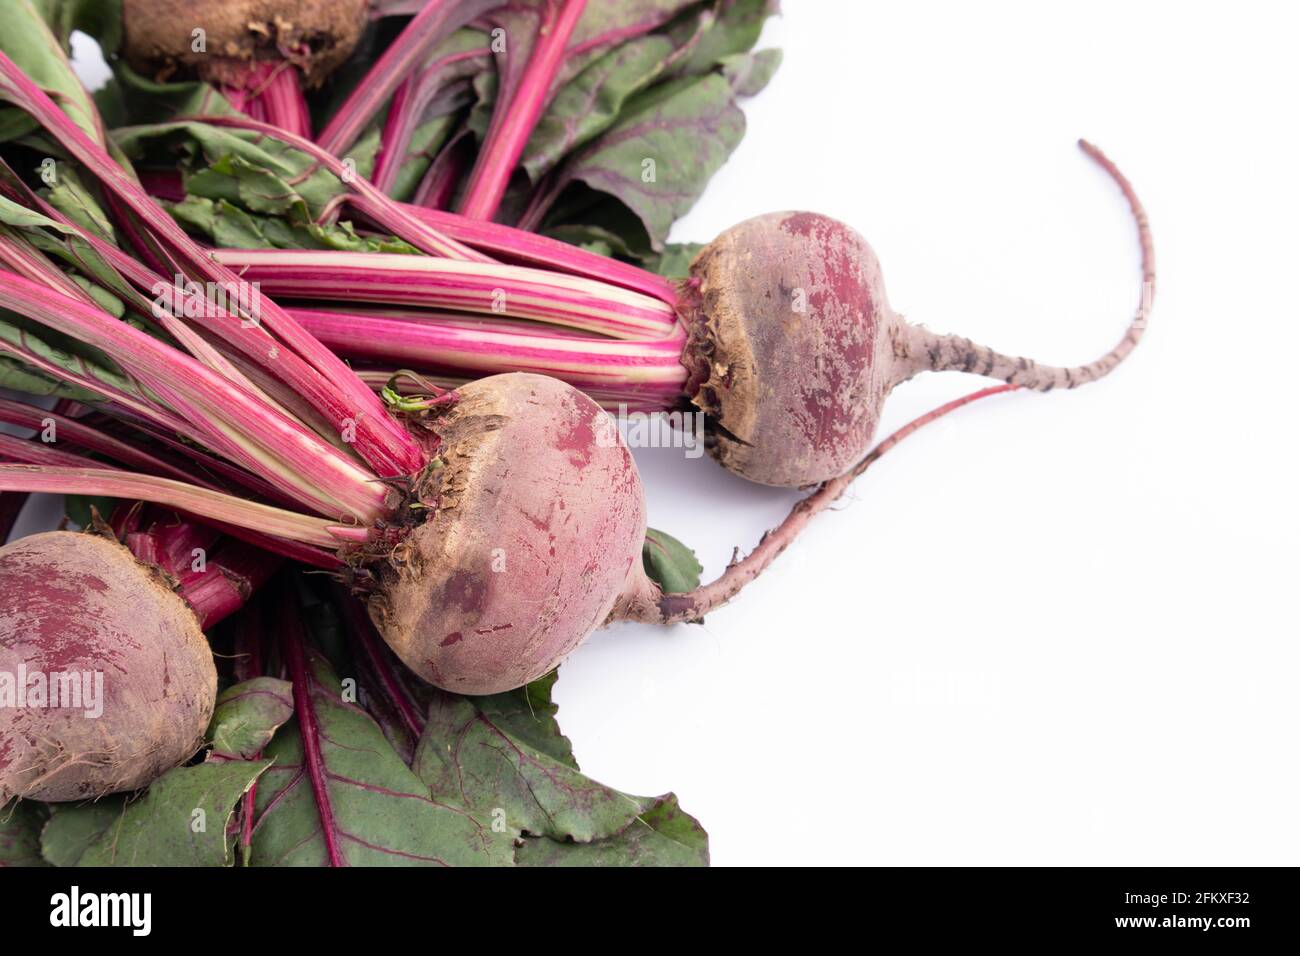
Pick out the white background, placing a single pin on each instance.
(1050, 629)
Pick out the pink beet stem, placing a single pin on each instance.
(404, 113)
(231, 420)
(515, 116)
(531, 249)
(453, 343)
(506, 243)
(230, 578)
(436, 20)
(487, 288)
(382, 441)
(270, 91)
(283, 102)
(90, 439)
(621, 400)
(70, 480)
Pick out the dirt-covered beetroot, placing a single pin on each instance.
(789, 333)
(793, 346)
(315, 35)
(145, 679)
(537, 521)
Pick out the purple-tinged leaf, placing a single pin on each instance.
(434, 22)
(657, 159)
(388, 698)
(661, 835)
(183, 820)
(733, 27)
(339, 794)
(248, 714)
(503, 757)
(590, 103)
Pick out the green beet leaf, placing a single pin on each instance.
(591, 103)
(662, 152)
(504, 759)
(371, 809)
(182, 820)
(749, 73)
(660, 835)
(669, 563)
(28, 40)
(247, 716)
(675, 261)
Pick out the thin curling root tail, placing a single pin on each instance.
(647, 604)
(949, 352)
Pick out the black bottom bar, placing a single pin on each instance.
(1232, 907)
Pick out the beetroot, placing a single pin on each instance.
(134, 650)
(537, 519)
(793, 346)
(261, 54)
(316, 35)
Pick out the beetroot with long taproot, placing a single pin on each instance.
(793, 346)
(82, 621)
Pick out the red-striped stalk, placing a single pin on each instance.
(131, 452)
(486, 288)
(495, 241)
(436, 21)
(403, 382)
(182, 496)
(408, 107)
(517, 111)
(336, 393)
(540, 280)
(215, 577)
(269, 91)
(528, 248)
(83, 436)
(229, 419)
(222, 387)
(645, 370)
